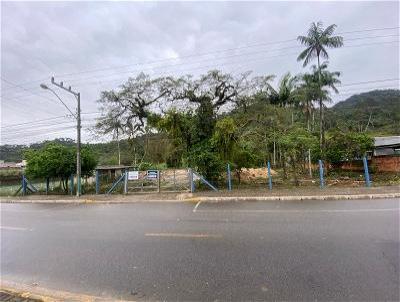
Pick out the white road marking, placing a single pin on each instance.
(302, 211)
(10, 228)
(182, 235)
(196, 206)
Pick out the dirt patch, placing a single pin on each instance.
(253, 174)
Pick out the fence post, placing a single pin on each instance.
(321, 174)
(192, 188)
(23, 185)
(79, 185)
(309, 163)
(229, 177)
(97, 182)
(158, 181)
(71, 184)
(366, 172)
(126, 182)
(174, 179)
(269, 175)
(47, 185)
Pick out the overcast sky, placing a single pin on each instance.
(95, 46)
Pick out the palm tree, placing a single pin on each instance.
(284, 95)
(316, 42)
(308, 92)
(315, 86)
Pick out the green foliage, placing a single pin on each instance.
(285, 95)
(88, 161)
(343, 146)
(317, 41)
(377, 112)
(225, 137)
(58, 161)
(204, 158)
(204, 121)
(217, 118)
(296, 143)
(244, 155)
(53, 160)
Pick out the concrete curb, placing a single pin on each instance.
(87, 201)
(48, 295)
(209, 199)
(297, 198)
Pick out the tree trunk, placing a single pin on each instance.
(118, 147)
(313, 121)
(119, 152)
(309, 129)
(283, 163)
(274, 151)
(295, 172)
(321, 112)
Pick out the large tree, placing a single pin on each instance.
(317, 41)
(131, 105)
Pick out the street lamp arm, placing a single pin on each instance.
(78, 127)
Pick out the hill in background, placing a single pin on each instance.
(378, 111)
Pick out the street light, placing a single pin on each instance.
(77, 116)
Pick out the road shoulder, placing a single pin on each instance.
(33, 293)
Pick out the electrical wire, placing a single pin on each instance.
(207, 53)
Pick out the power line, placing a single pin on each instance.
(366, 30)
(210, 66)
(46, 119)
(230, 63)
(206, 53)
(33, 122)
(221, 58)
(23, 88)
(39, 132)
(44, 125)
(369, 82)
(224, 64)
(218, 51)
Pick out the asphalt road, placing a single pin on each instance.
(314, 250)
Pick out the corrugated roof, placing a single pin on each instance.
(386, 141)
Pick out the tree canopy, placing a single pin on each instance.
(58, 161)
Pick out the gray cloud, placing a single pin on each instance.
(40, 39)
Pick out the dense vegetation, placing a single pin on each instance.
(217, 118)
(55, 160)
(375, 111)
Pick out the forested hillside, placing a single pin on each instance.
(376, 111)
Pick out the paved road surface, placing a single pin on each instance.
(314, 250)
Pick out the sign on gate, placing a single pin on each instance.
(153, 174)
(133, 175)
